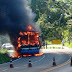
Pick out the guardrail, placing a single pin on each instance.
(55, 46)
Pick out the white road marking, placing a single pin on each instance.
(4, 69)
(40, 59)
(58, 66)
(27, 64)
(35, 61)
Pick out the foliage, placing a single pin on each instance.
(53, 17)
(4, 56)
(68, 45)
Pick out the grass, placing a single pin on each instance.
(4, 56)
(50, 47)
(66, 44)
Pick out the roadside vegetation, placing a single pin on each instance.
(4, 56)
(49, 43)
(68, 45)
(65, 44)
(55, 19)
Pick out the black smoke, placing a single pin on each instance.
(15, 16)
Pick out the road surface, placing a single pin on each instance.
(39, 63)
(65, 68)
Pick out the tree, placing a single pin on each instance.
(53, 16)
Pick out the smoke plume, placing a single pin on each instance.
(15, 16)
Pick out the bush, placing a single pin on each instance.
(4, 56)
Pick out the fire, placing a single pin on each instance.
(30, 28)
(21, 33)
(19, 45)
(28, 38)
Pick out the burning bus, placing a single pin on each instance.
(28, 42)
(15, 21)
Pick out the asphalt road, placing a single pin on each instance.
(65, 68)
(39, 63)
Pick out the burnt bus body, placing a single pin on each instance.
(29, 42)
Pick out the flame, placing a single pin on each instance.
(15, 55)
(30, 28)
(41, 53)
(21, 33)
(19, 45)
(19, 38)
(28, 38)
